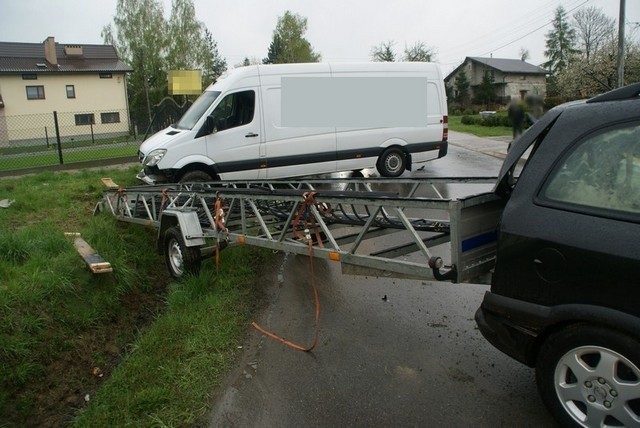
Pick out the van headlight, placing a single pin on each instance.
(154, 157)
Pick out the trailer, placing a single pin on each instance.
(432, 228)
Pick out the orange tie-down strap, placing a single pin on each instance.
(316, 318)
(219, 225)
(309, 218)
(305, 209)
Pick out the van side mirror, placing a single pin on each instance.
(211, 124)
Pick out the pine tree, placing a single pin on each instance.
(560, 43)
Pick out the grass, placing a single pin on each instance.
(51, 157)
(160, 346)
(455, 124)
(167, 377)
(65, 145)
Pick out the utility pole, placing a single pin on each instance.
(621, 44)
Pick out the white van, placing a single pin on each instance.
(235, 130)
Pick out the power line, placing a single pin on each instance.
(531, 32)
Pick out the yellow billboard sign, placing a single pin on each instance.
(185, 82)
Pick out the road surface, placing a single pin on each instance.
(391, 352)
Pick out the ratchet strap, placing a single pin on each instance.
(219, 225)
(304, 212)
(316, 299)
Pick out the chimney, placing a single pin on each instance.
(50, 50)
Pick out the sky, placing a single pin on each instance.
(340, 30)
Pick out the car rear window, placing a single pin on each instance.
(602, 171)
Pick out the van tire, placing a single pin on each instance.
(195, 176)
(392, 162)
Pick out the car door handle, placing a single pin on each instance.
(251, 134)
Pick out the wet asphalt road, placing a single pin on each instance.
(390, 352)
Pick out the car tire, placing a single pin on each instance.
(195, 176)
(180, 259)
(589, 376)
(392, 162)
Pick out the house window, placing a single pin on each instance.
(85, 119)
(105, 75)
(71, 91)
(113, 117)
(29, 77)
(35, 92)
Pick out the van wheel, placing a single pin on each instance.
(195, 176)
(590, 377)
(180, 259)
(392, 162)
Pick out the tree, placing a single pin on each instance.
(593, 29)
(275, 47)
(213, 65)
(586, 78)
(152, 46)
(288, 44)
(419, 52)
(594, 69)
(560, 43)
(383, 52)
(248, 61)
(524, 54)
(485, 92)
(138, 34)
(462, 88)
(186, 48)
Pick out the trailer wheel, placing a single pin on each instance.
(392, 162)
(180, 259)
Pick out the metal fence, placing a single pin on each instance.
(56, 138)
(34, 141)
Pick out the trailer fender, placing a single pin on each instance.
(189, 226)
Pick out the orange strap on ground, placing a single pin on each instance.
(317, 314)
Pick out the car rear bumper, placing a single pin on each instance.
(512, 325)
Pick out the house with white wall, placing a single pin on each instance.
(85, 84)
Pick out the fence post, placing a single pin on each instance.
(46, 135)
(55, 121)
(93, 141)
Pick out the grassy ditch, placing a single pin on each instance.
(455, 124)
(126, 348)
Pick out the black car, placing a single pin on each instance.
(565, 293)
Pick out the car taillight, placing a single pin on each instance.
(445, 128)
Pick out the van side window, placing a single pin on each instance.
(235, 110)
(602, 171)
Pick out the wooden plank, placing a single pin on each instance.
(108, 182)
(95, 262)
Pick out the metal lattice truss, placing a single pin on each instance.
(394, 227)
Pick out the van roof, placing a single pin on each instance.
(320, 67)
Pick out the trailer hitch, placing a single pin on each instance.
(436, 263)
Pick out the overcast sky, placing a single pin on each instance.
(340, 30)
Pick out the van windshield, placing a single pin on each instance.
(195, 112)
